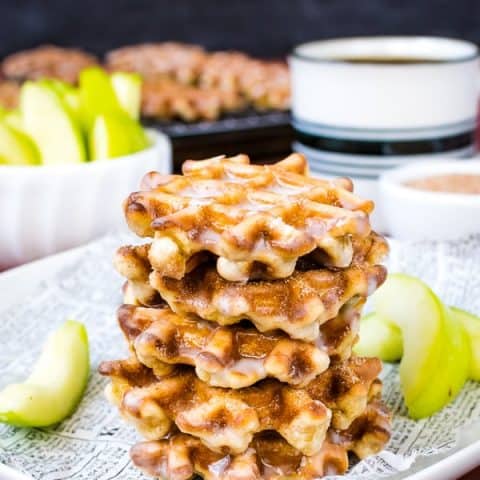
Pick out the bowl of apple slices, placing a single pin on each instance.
(68, 157)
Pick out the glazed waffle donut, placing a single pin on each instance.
(233, 357)
(47, 61)
(298, 305)
(336, 337)
(165, 99)
(269, 457)
(179, 61)
(223, 70)
(265, 85)
(258, 220)
(226, 419)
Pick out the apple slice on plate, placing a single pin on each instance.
(471, 324)
(435, 360)
(445, 382)
(56, 385)
(379, 337)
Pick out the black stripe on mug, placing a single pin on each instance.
(387, 148)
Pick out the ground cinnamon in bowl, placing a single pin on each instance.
(449, 183)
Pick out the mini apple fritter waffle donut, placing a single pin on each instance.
(232, 357)
(258, 220)
(178, 61)
(264, 84)
(337, 336)
(47, 61)
(223, 70)
(298, 305)
(165, 99)
(227, 419)
(269, 456)
(267, 85)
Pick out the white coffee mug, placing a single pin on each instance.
(363, 105)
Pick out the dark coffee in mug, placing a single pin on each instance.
(387, 60)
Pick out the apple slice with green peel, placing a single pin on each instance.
(51, 125)
(56, 385)
(69, 94)
(97, 95)
(115, 135)
(60, 87)
(471, 324)
(416, 310)
(16, 148)
(13, 118)
(380, 338)
(445, 382)
(128, 89)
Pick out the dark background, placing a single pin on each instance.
(267, 28)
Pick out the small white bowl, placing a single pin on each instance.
(50, 208)
(414, 214)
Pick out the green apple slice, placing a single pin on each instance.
(435, 360)
(115, 135)
(51, 125)
(97, 95)
(471, 324)
(128, 89)
(56, 385)
(16, 148)
(444, 384)
(415, 309)
(13, 118)
(60, 87)
(380, 338)
(68, 93)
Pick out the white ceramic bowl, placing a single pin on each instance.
(54, 207)
(413, 214)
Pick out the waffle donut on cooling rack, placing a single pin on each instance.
(241, 314)
(265, 85)
(47, 61)
(165, 99)
(172, 60)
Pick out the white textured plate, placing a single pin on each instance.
(17, 283)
